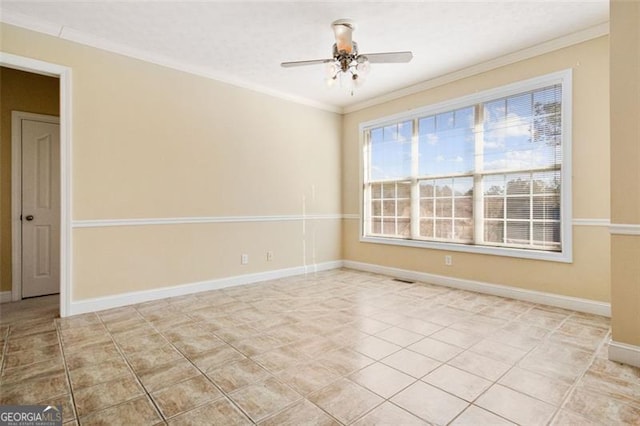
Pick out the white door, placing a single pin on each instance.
(40, 208)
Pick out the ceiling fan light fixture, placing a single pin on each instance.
(347, 65)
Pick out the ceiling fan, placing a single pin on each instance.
(347, 63)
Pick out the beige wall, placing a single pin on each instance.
(625, 169)
(152, 142)
(19, 91)
(589, 274)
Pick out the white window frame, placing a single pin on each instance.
(564, 78)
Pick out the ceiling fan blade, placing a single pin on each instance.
(303, 63)
(388, 57)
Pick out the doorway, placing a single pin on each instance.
(56, 263)
(36, 204)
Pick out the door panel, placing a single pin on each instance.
(40, 208)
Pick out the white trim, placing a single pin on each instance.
(566, 302)
(16, 194)
(624, 353)
(107, 302)
(624, 229)
(5, 297)
(591, 222)
(521, 55)
(101, 223)
(472, 248)
(351, 216)
(86, 39)
(64, 74)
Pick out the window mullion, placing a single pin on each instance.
(478, 191)
(415, 188)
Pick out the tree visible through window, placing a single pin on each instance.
(487, 173)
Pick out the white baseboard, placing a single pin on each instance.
(115, 301)
(566, 302)
(5, 296)
(624, 353)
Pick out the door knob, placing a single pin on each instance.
(29, 217)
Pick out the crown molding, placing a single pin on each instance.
(80, 37)
(530, 52)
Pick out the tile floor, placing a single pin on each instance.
(338, 347)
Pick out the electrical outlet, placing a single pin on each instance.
(269, 256)
(244, 259)
(448, 260)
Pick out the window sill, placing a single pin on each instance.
(564, 256)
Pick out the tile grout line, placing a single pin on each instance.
(66, 369)
(131, 370)
(225, 395)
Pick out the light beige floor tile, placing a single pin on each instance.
(344, 361)
(320, 318)
(167, 375)
(345, 400)
(419, 326)
(616, 370)
(64, 401)
(399, 336)
(517, 340)
(35, 389)
(104, 395)
(148, 359)
(370, 325)
(390, 414)
(26, 343)
(137, 411)
(498, 351)
(456, 337)
(279, 359)
(476, 416)
(435, 349)
(429, 403)
(91, 375)
(569, 418)
(184, 396)
(376, 348)
(43, 368)
(601, 407)
(83, 356)
(314, 347)
(618, 389)
(219, 355)
(257, 345)
(218, 412)
(31, 355)
(260, 400)
(538, 386)
(457, 382)
(515, 406)
(193, 346)
(307, 378)
(302, 413)
(233, 376)
(382, 379)
(412, 363)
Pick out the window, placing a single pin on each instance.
(487, 173)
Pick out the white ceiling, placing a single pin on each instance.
(244, 42)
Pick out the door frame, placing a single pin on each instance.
(16, 194)
(63, 73)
